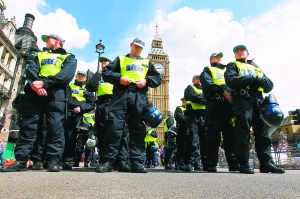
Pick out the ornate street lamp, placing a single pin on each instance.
(100, 50)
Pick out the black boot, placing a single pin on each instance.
(53, 166)
(189, 168)
(67, 166)
(211, 169)
(234, 168)
(168, 166)
(104, 167)
(124, 167)
(245, 168)
(270, 168)
(37, 166)
(16, 166)
(137, 167)
(76, 164)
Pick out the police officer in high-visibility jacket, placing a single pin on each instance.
(48, 75)
(180, 118)
(151, 147)
(248, 83)
(131, 76)
(219, 112)
(195, 125)
(85, 130)
(104, 92)
(81, 102)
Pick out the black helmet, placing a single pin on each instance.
(152, 115)
(271, 114)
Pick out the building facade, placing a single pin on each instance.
(18, 47)
(160, 95)
(9, 62)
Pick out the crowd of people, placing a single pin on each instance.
(105, 110)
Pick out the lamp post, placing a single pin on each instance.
(99, 49)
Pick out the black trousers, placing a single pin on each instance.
(38, 153)
(34, 110)
(196, 133)
(218, 117)
(71, 133)
(101, 116)
(169, 151)
(246, 110)
(80, 143)
(150, 155)
(125, 105)
(180, 142)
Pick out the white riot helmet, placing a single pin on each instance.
(91, 142)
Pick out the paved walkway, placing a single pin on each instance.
(157, 183)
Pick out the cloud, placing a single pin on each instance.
(190, 36)
(58, 22)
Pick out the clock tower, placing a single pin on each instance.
(160, 95)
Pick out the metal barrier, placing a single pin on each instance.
(282, 158)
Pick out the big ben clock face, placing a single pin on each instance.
(159, 67)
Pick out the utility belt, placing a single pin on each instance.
(214, 97)
(131, 87)
(191, 111)
(246, 93)
(104, 99)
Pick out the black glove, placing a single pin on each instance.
(258, 81)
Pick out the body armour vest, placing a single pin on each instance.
(165, 123)
(133, 69)
(182, 108)
(77, 92)
(196, 106)
(249, 70)
(217, 75)
(88, 118)
(50, 63)
(104, 88)
(148, 137)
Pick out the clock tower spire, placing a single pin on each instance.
(160, 95)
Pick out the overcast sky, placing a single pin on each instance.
(190, 30)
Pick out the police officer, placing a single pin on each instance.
(151, 147)
(195, 125)
(169, 121)
(180, 124)
(131, 76)
(218, 113)
(48, 75)
(85, 130)
(81, 101)
(248, 83)
(104, 92)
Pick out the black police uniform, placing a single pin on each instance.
(218, 117)
(80, 143)
(33, 108)
(71, 131)
(246, 103)
(38, 154)
(195, 129)
(180, 142)
(169, 150)
(101, 115)
(127, 101)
